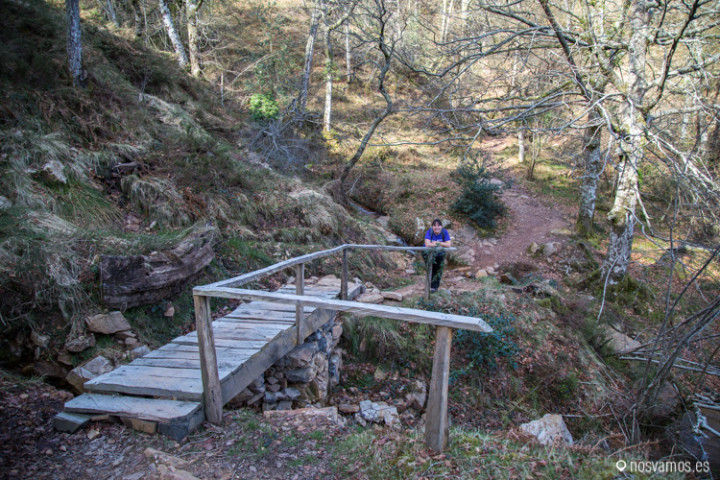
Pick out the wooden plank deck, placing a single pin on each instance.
(165, 385)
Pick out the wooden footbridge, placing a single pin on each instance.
(171, 390)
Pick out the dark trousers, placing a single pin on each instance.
(435, 260)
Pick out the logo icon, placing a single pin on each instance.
(621, 465)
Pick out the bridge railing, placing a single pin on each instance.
(436, 430)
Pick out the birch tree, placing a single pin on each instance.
(315, 13)
(173, 33)
(191, 9)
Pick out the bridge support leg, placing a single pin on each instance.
(344, 284)
(436, 418)
(212, 393)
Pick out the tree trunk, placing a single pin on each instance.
(191, 9)
(74, 43)
(172, 33)
(137, 14)
(632, 143)
(594, 166)
(309, 51)
(348, 56)
(329, 67)
(521, 146)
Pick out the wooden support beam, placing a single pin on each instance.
(436, 417)
(344, 281)
(299, 290)
(212, 392)
(428, 273)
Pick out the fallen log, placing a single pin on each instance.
(134, 280)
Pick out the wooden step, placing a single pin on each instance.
(173, 418)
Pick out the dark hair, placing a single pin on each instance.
(437, 222)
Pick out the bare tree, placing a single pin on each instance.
(315, 13)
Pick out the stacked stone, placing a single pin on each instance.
(301, 378)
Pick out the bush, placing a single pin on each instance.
(480, 199)
(484, 349)
(263, 107)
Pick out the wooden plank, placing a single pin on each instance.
(259, 321)
(212, 393)
(187, 363)
(175, 388)
(221, 342)
(140, 425)
(386, 311)
(275, 307)
(229, 356)
(269, 354)
(152, 409)
(436, 419)
(226, 335)
(172, 350)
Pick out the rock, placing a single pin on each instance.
(534, 248)
(496, 182)
(53, 172)
(549, 249)
(378, 412)
(329, 281)
(481, 274)
(467, 256)
(5, 203)
(169, 310)
(271, 381)
(394, 296)
(65, 358)
(107, 323)
(348, 408)
(383, 220)
(80, 344)
(620, 343)
(419, 229)
(302, 355)
(668, 401)
(549, 430)
(38, 340)
(370, 298)
(334, 366)
(562, 231)
(165, 458)
(291, 393)
(131, 342)
(139, 351)
(379, 374)
(49, 369)
(125, 334)
(305, 416)
(273, 388)
(301, 375)
(94, 368)
(417, 394)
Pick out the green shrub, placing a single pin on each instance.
(480, 199)
(263, 107)
(484, 349)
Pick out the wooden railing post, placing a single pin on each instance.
(436, 418)
(428, 267)
(344, 282)
(299, 308)
(212, 393)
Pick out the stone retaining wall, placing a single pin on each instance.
(301, 378)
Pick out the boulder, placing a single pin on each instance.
(53, 172)
(5, 203)
(39, 340)
(481, 274)
(140, 351)
(80, 344)
(394, 296)
(94, 368)
(549, 249)
(302, 355)
(534, 248)
(417, 394)
(329, 281)
(348, 408)
(109, 323)
(370, 297)
(620, 343)
(549, 430)
(378, 412)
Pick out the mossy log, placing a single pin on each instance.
(133, 280)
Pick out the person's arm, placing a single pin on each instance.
(445, 243)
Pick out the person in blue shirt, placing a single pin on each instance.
(436, 236)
